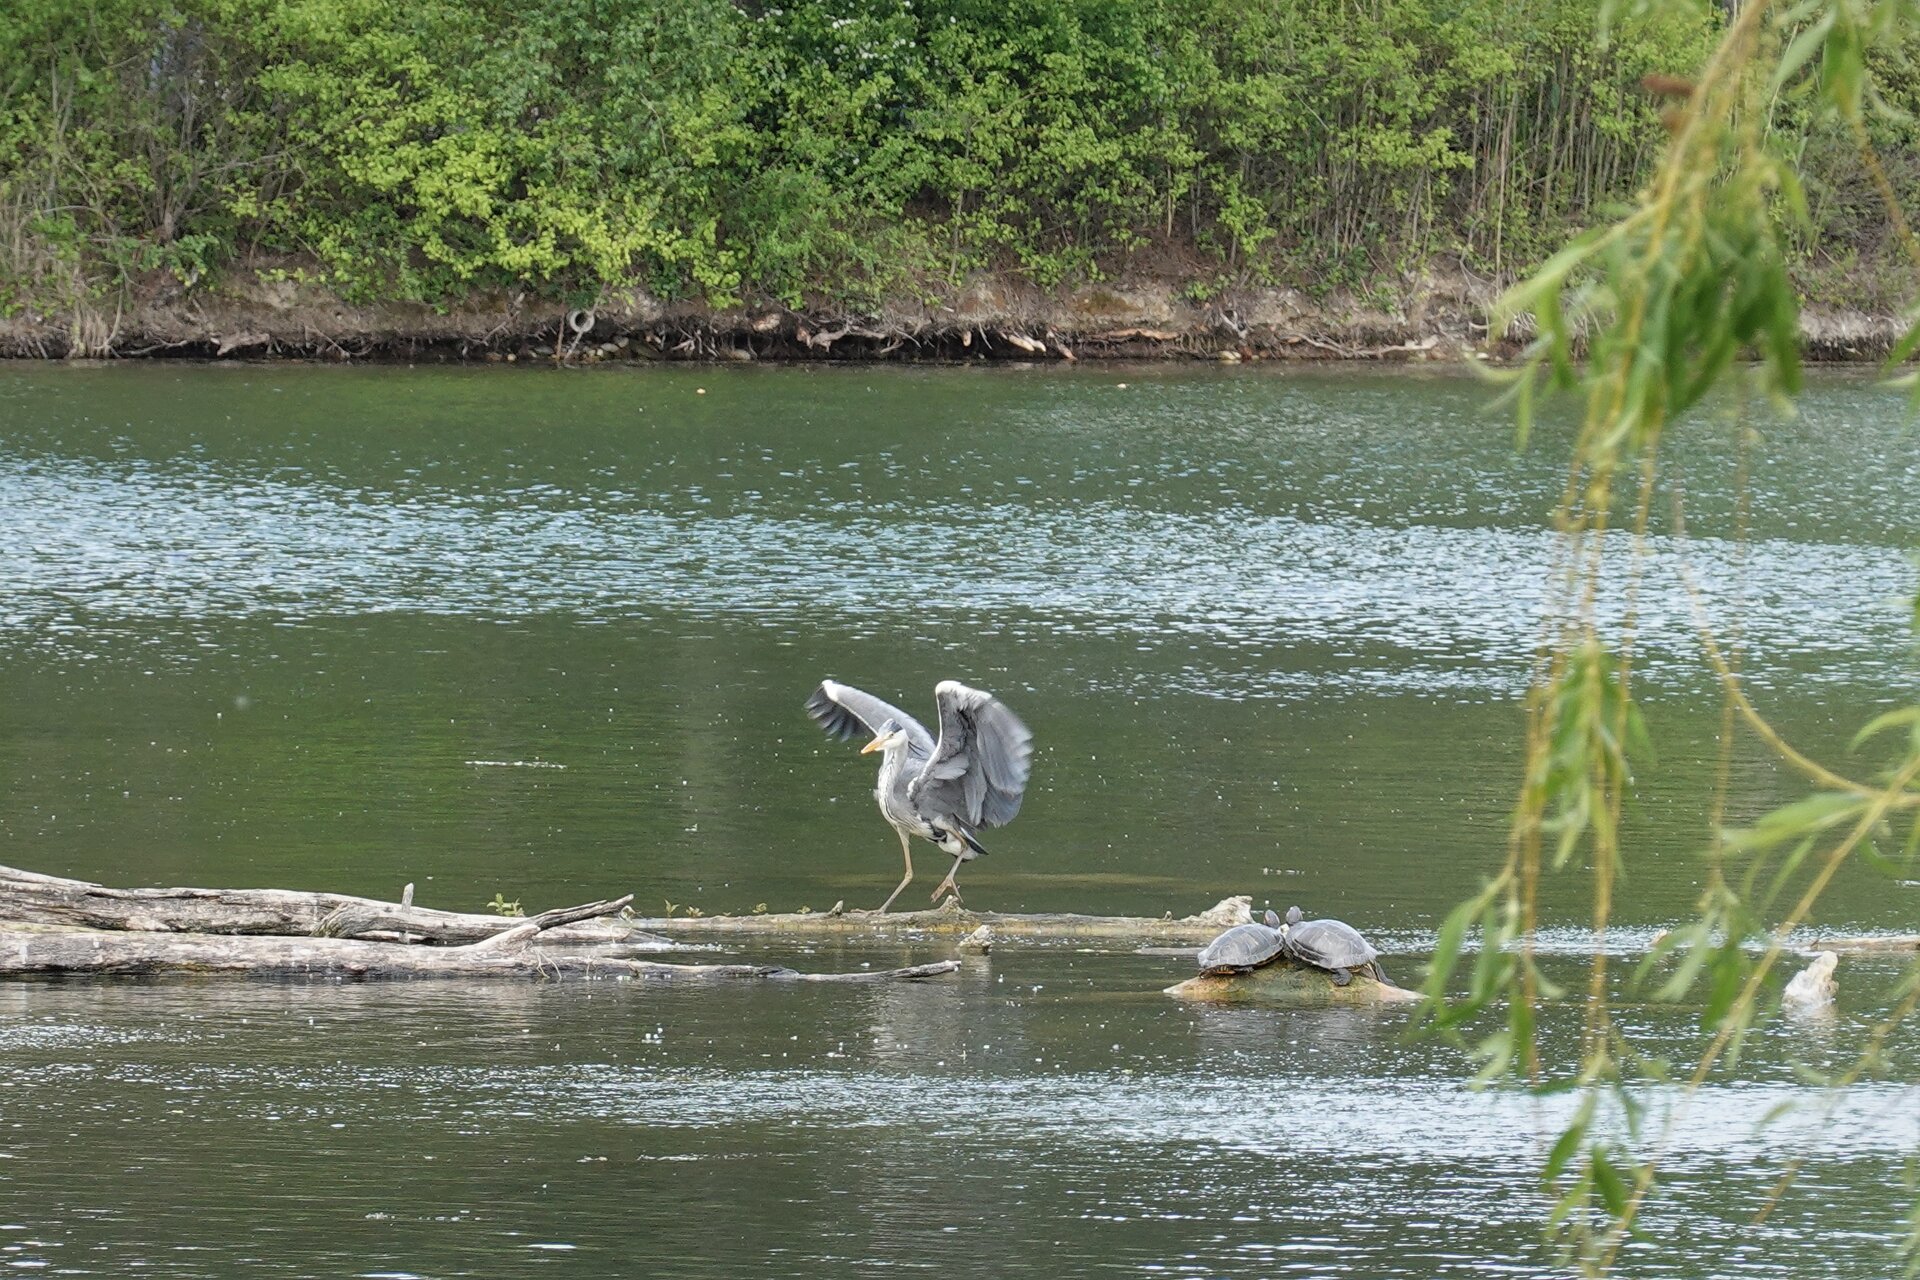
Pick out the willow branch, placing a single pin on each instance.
(1730, 681)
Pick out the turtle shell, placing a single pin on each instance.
(1329, 944)
(1243, 947)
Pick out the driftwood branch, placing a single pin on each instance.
(32, 898)
(50, 926)
(39, 951)
(951, 919)
(1425, 344)
(524, 931)
(1871, 942)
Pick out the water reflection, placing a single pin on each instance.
(427, 1128)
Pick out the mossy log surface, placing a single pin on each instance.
(1290, 985)
(950, 918)
(30, 898)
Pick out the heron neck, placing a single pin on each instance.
(892, 758)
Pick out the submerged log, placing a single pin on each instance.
(1871, 942)
(30, 898)
(1289, 985)
(951, 918)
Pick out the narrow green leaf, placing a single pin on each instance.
(1608, 1182)
(1803, 47)
(1563, 1149)
(1880, 724)
(1726, 973)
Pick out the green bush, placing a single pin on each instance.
(830, 150)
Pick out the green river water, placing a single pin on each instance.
(547, 635)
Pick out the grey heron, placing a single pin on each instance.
(944, 791)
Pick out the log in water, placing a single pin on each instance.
(1290, 985)
(47, 930)
(29, 897)
(29, 951)
(950, 918)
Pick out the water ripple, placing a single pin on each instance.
(1241, 597)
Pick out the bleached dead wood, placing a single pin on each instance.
(1287, 985)
(952, 919)
(43, 951)
(30, 897)
(1811, 990)
(50, 926)
(1871, 942)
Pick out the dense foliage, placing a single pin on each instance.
(846, 148)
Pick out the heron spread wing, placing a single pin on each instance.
(979, 768)
(847, 712)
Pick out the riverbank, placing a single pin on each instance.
(278, 310)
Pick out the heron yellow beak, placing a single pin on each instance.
(876, 744)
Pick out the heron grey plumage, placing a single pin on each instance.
(969, 779)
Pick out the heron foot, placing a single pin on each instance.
(948, 888)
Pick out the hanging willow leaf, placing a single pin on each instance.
(1909, 716)
(1804, 46)
(1818, 813)
(1667, 300)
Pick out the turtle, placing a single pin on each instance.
(1245, 947)
(1331, 945)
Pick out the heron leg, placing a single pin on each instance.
(947, 885)
(905, 880)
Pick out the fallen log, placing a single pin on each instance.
(40, 951)
(951, 918)
(1288, 985)
(1870, 942)
(31, 898)
(51, 926)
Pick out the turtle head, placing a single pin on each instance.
(1273, 919)
(1293, 915)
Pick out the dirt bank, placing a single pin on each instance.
(278, 311)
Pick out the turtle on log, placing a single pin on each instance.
(1331, 945)
(1245, 947)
